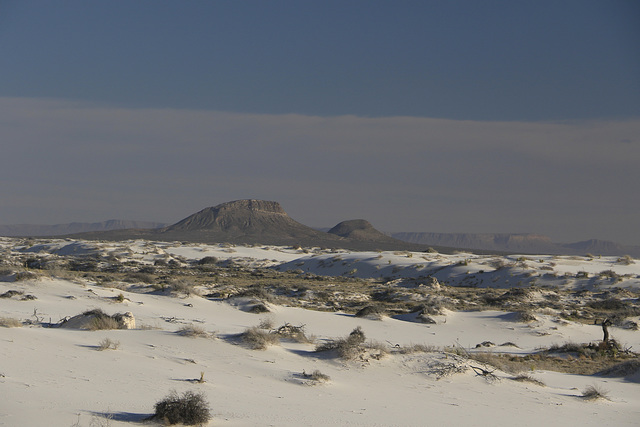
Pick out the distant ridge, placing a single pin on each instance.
(34, 230)
(264, 222)
(244, 221)
(518, 243)
(259, 222)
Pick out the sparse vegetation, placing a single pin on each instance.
(625, 260)
(415, 348)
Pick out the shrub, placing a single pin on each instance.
(416, 348)
(25, 275)
(594, 392)
(295, 333)
(189, 409)
(611, 304)
(347, 348)
(11, 293)
(138, 277)
(101, 320)
(107, 344)
(529, 379)
(9, 322)
(192, 331)
(208, 260)
(316, 376)
(182, 287)
(625, 260)
(258, 339)
(371, 312)
(266, 324)
(525, 316)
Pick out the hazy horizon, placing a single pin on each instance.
(492, 117)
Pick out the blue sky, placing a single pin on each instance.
(492, 116)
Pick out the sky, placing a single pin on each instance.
(456, 116)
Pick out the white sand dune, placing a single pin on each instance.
(57, 377)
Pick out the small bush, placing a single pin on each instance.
(266, 324)
(208, 260)
(347, 348)
(11, 293)
(101, 320)
(189, 409)
(295, 333)
(316, 376)
(25, 275)
(183, 287)
(137, 277)
(594, 392)
(371, 312)
(610, 304)
(9, 322)
(193, 331)
(108, 344)
(528, 379)
(625, 260)
(525, 316)
(258, 339)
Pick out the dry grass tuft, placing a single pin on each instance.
(528, 379)
(10, 322)
(102, 323)
(594, 392)
(258, 339)
(353, 347)
(416, 348)
(193, 331)
(295, 333)
(108, 344)
(316, 376)
(266, 324)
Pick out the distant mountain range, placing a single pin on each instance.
(518, 243)
(32, 230)
(266, 222)
(259, 222)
